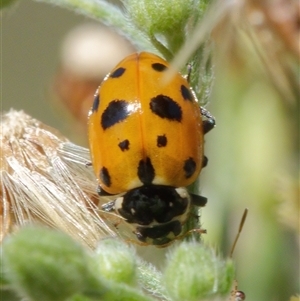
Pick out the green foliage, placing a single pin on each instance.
(153, 25)
(44, 264)
(166, 23)
(116, 261)
(196, 273)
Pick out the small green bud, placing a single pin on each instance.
(194, 272)
(115, 261)
(44, 264)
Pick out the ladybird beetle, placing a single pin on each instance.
(146, 141)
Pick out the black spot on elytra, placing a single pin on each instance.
(146, 171)
(115, 112)
(165, 107)
(159, 67)
(104, 176)
(189, 167)
(161, 141)
(117, 73)
(96, 103)
(186, 93)
(124, 145)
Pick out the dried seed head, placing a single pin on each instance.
(44, 179)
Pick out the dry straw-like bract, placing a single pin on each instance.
(45, 179)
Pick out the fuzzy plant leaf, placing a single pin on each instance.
(194, 272)
(51, 266)
(150, 279)
(166, 23)
(115, 261)
(42, 264)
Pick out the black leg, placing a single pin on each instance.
(198, 200)
(208, 123)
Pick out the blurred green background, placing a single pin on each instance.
(31, 36)
(253, 151)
